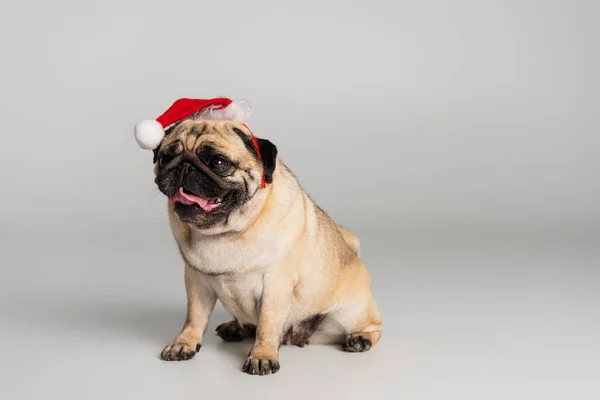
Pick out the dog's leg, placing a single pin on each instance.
(274, 311)
(366, 337)
(361, 341)
(201, 301)
(233, 331)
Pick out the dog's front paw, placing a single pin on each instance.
(177, 351)
(257, 366)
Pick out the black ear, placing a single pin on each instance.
(268, 152)
(155, 151)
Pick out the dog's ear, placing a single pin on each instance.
(268, 152)
(155, 151)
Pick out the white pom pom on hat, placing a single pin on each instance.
(150, 133)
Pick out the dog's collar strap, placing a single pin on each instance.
(263, 182)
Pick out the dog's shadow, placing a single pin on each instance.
(154, 324)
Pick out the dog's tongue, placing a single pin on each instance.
(189, 199)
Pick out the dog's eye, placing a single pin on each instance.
(219, 164)
(163, 160)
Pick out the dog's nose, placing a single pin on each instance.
(185, 167)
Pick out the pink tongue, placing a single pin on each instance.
(189, 199)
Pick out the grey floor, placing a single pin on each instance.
(467, 315)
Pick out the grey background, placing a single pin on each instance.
(458, 139)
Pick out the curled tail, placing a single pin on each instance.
(351, 239)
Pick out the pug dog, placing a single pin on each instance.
(250, 237)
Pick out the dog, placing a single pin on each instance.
(250, 237)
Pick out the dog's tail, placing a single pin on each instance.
(351, 239)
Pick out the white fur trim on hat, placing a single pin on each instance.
(236, 111)
(148, 134)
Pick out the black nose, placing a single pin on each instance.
(185, 167)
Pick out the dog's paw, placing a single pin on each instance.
(356, 343)
(256, 366)
(232, 331)
(179, 351)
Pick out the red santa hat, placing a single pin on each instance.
(150, 133)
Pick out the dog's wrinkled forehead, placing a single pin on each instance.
(228, 137)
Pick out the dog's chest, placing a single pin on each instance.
(219, 255)
(240, 295)
(234, 269)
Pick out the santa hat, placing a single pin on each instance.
(150, 133)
